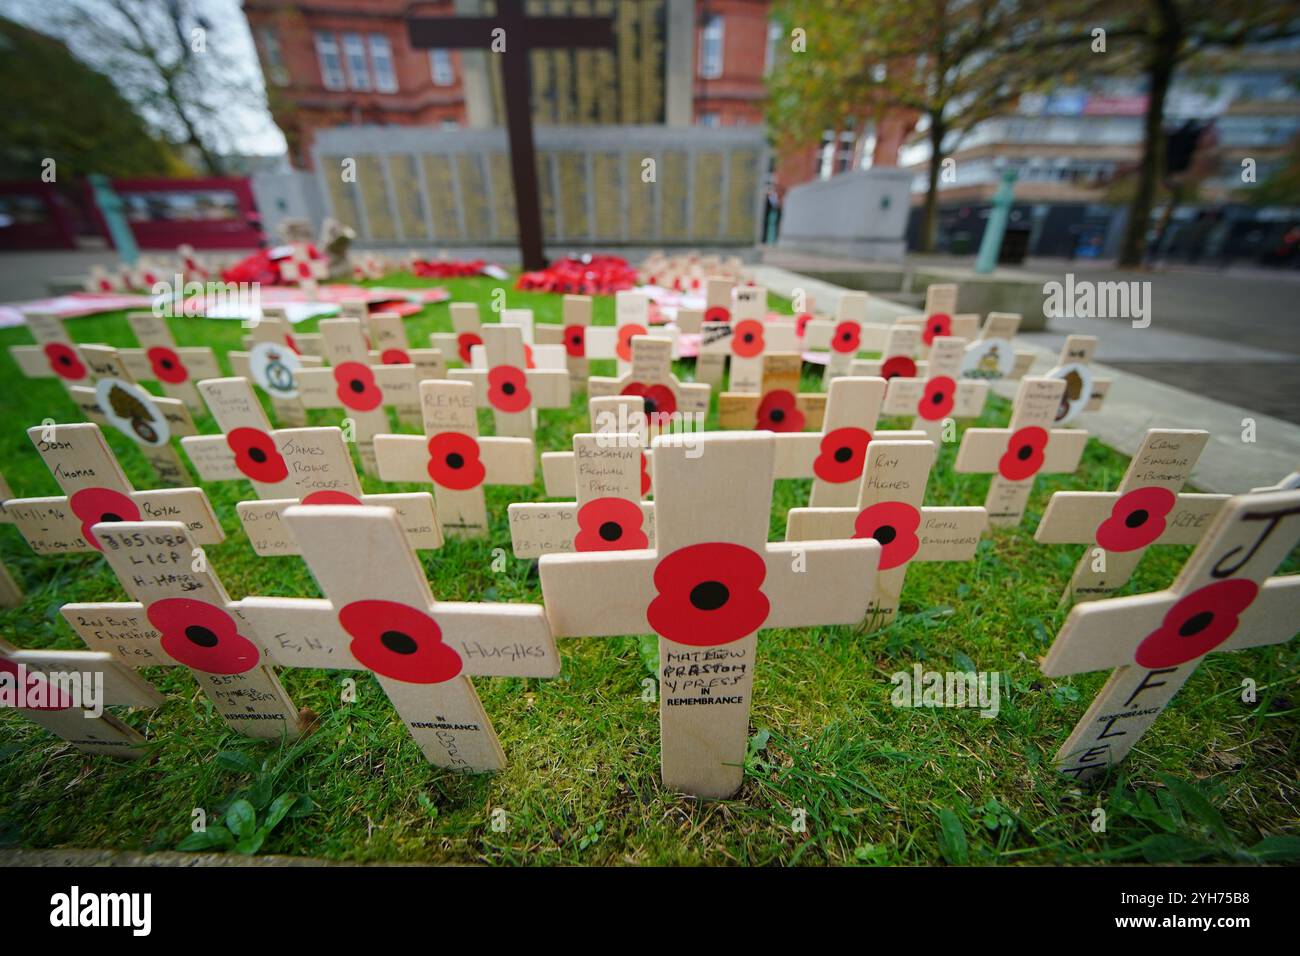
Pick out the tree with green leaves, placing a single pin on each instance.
(1163, 35)
(954, 62)
(58, 108)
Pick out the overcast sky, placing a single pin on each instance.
(251, 130)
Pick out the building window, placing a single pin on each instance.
(354, 51)
(381, 55)
(774, 34)
(274, 59)
(331, 67)
(711, 120)
(440, 68)
(711, 48)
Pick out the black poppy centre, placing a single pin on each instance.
(508, 388)
(777, 415)
(885, 533)
(201, 636)
(709, 595)
(357, 385)
(843, 454)
(257, 455)
(398, 642)
(110, 516)
(611, 530)
(1137, 518)
(1195, 624)
(455, 460)
(1024, 453)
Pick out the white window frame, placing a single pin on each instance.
(275, 68)
(381, 60)
(354, 50)
(327, 47)
(441, 70)
(712, 47)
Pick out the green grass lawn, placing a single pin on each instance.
(878, 784)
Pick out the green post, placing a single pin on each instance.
(111, 208)
(991, 244)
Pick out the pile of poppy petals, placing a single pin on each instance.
(590, 275)
(447, 268)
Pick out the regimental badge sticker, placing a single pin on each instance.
(274, 368)
(1078, 390)
(988, 359)
(132, 411)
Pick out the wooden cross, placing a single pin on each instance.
(96, 489)
(745, 341)
(1145, 510)
(54, 705)
(454, 458)
(898, 356)
(835, 456)
(386, 336)
(709, 585)
(183, 618)
(992, 357)
(580, 340)
(610, 415)
(54, 355)
(159, 359)
(844, 336)
(149, 421)
(301, 269)
(353, 384)
(1027, 447)
(513, 391)
(467, 332)
(940, 394)
(651, 378)
(272, 361)
(512, 34)
(1084, 392)
(778, 406)
(379, 615)
(608, 514)
(1222, 600)
(889, 510)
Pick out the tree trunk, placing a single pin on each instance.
(1165, 48)
(930, 218)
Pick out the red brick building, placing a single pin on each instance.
(347, 62)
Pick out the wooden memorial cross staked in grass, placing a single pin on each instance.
(360, 390)
(616, 415)
(452, 456)
(300, 269)
(1084, 391)
(272, 362)
(940, 394)
(511, 34)
(467, 332)
(889, 510)
(1222, 600)
(742, 341)
(651, 378)
(581, 340)
(778, 406)
(717, 298)
(507, 386)
(159, 359)
(149, 421)
(709, 585)
(1027, 447)
(54, 355)
(389, 346)
(46, 682)
(842, 337)
(608, 514)
(96, 489)
(897, 358)
(184, 618)
(379, 615)
(835, 457)
(1147, 509)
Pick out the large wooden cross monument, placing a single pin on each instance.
(511, 34)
